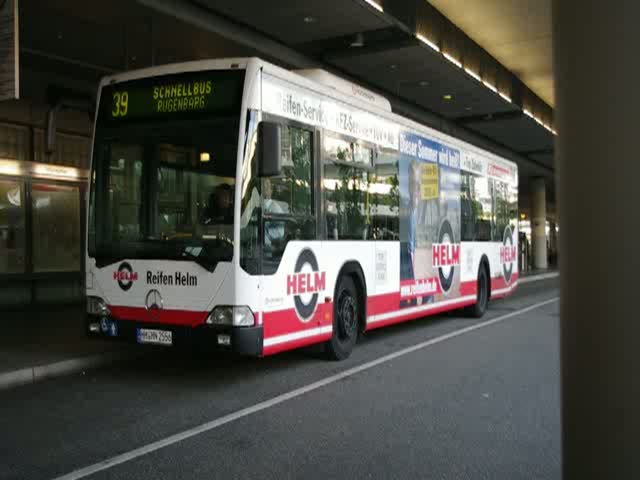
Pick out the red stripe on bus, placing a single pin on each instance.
(169, 317)
(468, 288)
(283, 322)
(390, 302)
(415, 315)
(383, 303)
(498, 283)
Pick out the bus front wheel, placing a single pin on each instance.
(346, 316)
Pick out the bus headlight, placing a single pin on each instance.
(97, 306)
(232, 316)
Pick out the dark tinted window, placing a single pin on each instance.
(163, 189)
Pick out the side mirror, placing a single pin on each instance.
(269, 150)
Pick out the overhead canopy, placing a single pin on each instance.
(466, 92)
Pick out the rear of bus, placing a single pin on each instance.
(162, 206)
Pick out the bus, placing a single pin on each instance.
(238, 206)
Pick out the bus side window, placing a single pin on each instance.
(287, 200)
(384, 196)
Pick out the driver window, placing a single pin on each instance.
(287, 200)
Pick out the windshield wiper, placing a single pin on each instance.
(202, 261)
(103, 261)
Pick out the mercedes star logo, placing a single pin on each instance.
(153, 300)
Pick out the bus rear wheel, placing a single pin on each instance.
(346, 316)
(478, 309)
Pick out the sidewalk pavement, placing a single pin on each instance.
(50, 342)
(534, 275)
(38, 344)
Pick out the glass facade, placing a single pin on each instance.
(56, 232)
(12, 227)
(42, 211)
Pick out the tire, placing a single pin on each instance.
(346, 316)
(478, 309)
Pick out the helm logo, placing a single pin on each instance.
(305, 283)
(508, 254)
(125, 276)
(445, 255)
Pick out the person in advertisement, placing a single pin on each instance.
(430, 214)
(408, 246)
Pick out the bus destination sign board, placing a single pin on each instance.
(172, 95)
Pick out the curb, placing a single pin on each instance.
(538, 277)
(35, 374)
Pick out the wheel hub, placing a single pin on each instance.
(347, 316)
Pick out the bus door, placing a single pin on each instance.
(291, 251)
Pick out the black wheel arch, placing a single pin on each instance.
(353, 269)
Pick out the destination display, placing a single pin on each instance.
(173, 95)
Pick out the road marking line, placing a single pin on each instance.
(208, 426)
(537, 278)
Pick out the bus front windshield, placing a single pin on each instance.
(164, 191)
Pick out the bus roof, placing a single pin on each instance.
(326, 84)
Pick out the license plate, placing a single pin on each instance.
(157, 337)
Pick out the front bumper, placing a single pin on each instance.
(239, 340)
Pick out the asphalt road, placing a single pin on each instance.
(480, 404)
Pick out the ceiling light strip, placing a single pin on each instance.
(375, 5)
(490, 86)
(473, 74)
(430, 43)
(453, 60)
(504, 96)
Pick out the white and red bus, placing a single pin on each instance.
(241, 206)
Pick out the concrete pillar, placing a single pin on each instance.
(596, 71)
(538, 223)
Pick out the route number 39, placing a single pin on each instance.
(120, 104)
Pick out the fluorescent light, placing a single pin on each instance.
(375, 5)
(505, 97)
(473, 74)
(527, 113)
(55, 171)
(424, 39)
(447, 96)
(9, 167)
(453, 60)
(490, 87)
